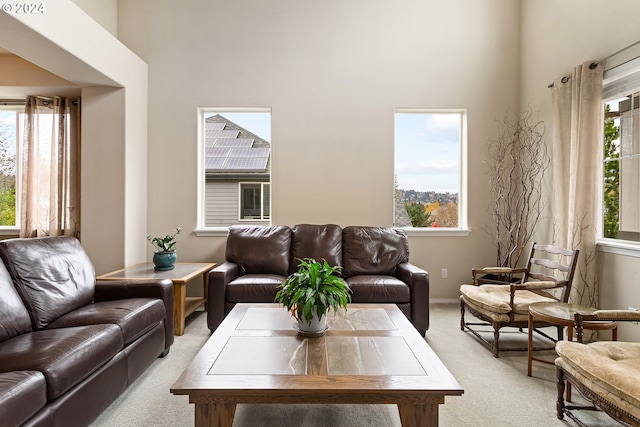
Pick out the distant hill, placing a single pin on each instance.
(427, 196)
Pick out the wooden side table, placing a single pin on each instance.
(562, 314)
(182, 274)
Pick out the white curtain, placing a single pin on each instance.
(577, 160)
(51, 167)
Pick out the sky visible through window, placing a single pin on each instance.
(256, 123)
(8, 129)
(427, 151)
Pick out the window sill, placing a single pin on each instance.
(212, 232)
(9, 231)
(437, 231)
(617, 247)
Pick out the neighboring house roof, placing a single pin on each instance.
(234, 152)
(401, 216)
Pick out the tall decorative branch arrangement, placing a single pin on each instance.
(517, 160)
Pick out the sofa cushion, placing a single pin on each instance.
(22, 394)
(65, 356)
(320, 242)
(496, 298)
(14, 318)
(53, 275)
(259, 249)
(254, 288)
(134, 316)
(373, 250)
(378, 289)
(614, 366)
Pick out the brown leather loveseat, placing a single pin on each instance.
(375, 265)
(70, 345)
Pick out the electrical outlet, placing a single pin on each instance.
(444, 273)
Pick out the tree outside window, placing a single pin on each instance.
(428, 171)
(10, 120)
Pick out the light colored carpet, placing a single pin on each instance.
(497, 392)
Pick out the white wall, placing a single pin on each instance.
(104, 12)
(68, 43)
(332, 72)
(556, 36)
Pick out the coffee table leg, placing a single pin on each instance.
(214, 414)
(418, 415)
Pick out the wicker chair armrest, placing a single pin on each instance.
(614, 315)
(492, 270)
(606, 316)
(536, 285)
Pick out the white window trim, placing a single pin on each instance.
(14, 230)
(463, 225)
(200, 229)
(617, 81)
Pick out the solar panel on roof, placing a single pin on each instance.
(214, 126)
(249, 152)
(217, 152)
(221, 134)
(243, 163)
(214, 162)
(233, 142)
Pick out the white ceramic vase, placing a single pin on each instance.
(316, 325)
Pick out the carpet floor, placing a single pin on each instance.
(497, 392)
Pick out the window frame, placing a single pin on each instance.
(201, 229)
(18, 108)
(463, 228)
(262, 199)
(617, 82)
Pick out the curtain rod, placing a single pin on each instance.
(596, 63)
(12, 101)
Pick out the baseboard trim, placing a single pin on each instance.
(444, 301)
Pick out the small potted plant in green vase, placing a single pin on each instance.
(310, 292)
(164, 258)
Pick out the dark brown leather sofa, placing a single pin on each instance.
(375, 265)
(70, 345)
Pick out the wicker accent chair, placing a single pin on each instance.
(500, 296)
(607, 373)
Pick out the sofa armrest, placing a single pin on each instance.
(219, 278)
(109, 290)
(418, 281)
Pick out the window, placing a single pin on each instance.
(11, 122)
(429, 168)
(254, 201)
(622, 169)
(235, 167)
(621, 153)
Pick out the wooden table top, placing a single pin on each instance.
(560, 311)
(182, 273)
(256, 356)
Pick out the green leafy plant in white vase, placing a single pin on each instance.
(311, 291)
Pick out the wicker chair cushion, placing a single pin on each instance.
(495, 298)
(612, 366)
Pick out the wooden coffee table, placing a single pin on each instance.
(370, 355)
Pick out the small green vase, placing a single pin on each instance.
(164, 261)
